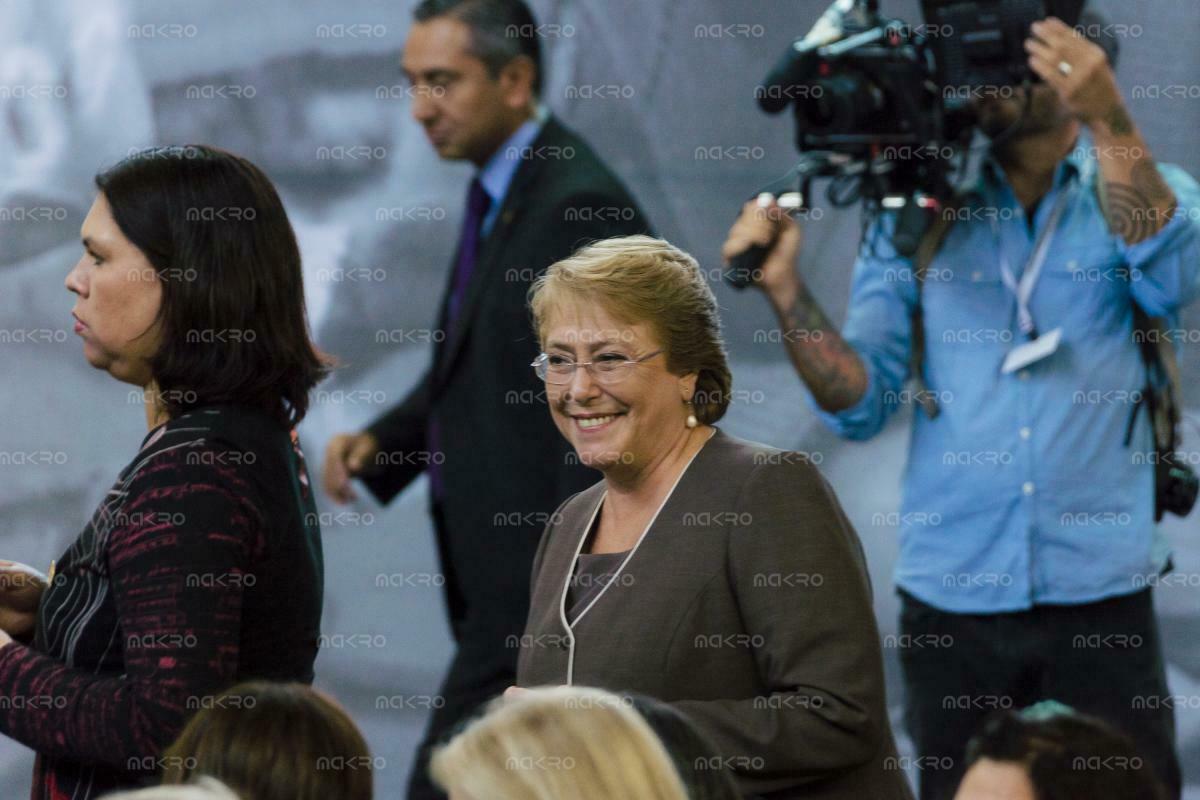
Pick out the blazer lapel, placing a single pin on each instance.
(580, 532)
(678, 490)
(566, 538)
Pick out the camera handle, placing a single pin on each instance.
(791, 192)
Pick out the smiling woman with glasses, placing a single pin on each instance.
(715, 574)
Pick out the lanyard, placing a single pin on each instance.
(1023, 289)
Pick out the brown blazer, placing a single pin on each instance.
(747, 606)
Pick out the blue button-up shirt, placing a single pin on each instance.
(497, 174)
(1022, 491)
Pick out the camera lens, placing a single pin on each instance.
(841, 104)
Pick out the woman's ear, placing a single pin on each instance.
(687, 386)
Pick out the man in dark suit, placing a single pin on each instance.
(477, 422)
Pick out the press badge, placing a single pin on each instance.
(1037, 347)
(1032, 351)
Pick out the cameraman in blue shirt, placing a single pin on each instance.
(1028, 533)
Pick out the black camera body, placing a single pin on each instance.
(983, 45)
(1176, 487)
(859, 81)
(884, 109)
(860, 93)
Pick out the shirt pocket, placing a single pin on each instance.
(968, 318)
(1083, 287)
(967, 309)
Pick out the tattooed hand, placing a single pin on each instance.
(1078, 70)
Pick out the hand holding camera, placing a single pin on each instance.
(764, 224)
(1077, 70)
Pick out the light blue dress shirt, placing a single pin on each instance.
(1022, 491)
(497, 174)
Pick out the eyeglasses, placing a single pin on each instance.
(608, 369)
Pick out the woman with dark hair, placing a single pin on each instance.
(1052, 752)
(202, 566)
(274, 741)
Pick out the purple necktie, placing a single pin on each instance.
(468, 249)
(478, 203)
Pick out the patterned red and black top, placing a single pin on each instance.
(201, 568)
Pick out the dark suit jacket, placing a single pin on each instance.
(747, 606)
(506, 467)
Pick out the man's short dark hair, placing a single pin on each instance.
(233, 324)
(501, 30)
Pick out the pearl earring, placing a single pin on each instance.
(691, 420)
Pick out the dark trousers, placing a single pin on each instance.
(1099, 658)
(464, 695)
(484, 665)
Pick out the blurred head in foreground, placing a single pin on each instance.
(1050, 752)
(552, 743)
(274, 741)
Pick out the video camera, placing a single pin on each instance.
(884, 109)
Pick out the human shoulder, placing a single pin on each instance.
(576, 509)
(748, 463)
(222, 446)
(577, 172)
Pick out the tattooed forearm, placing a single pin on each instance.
(1149, 181)
(1138, 211)
(828, 365)
(1128, 212)
(1137, 201)
(1118, 121)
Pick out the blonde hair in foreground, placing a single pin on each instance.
(640, 279)
(558, 743)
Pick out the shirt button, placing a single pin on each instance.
(1025, 433)
(1023, 374)
(1027, 488)
(977, 275)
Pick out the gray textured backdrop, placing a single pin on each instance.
(276, 80)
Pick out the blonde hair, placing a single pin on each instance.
(643, 279)
(558, 742)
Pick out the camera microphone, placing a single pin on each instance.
(775, 93)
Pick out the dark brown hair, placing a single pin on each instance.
(233, 323)
(274, 741)
(1067, 755)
